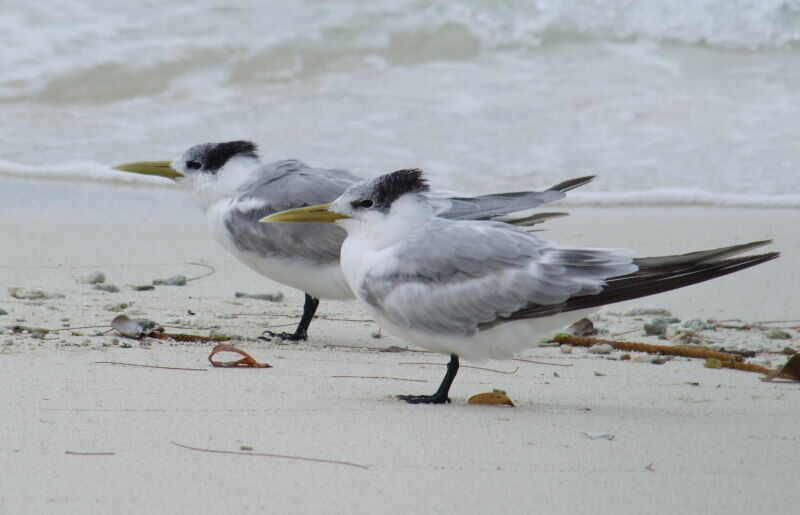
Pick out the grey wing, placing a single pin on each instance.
(488, 206)
(286, 185)
(455, 278)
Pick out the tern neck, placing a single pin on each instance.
(207, 188)
(382, 230)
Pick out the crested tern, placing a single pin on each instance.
(484, 289)
(235, 190)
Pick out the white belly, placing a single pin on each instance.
(503, 341)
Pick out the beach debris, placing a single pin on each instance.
(647, 311)
(217, 335)
(93, 278)
(671, 350)
(18, 292)
(269, 455)
(182, 337)
(695, 325)
(143, 287)
(777, 334)
(110, 288)
(599, 374)
(271, 297)
(791, 370)
(583, 327)
(175, 280)
(598, 435)
(394, 348)
(246, 448)
(376, 334)
(566, 349)
(493, 398)
(247, 360)
(601, 348)
(3, 312)
(24, 329)
(116, 307)
(658, 361)
(656, 326)
(135, 328)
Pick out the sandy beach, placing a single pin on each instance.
(682, 436)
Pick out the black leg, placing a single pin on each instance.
(309, 308)
(440, 397)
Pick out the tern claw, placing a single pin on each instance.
(424, 399)
(299, 336)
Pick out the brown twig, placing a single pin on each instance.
(463, 366)
(689, 352)
(384, 377)
(544, 363)
(77, 453)
(270, 455)
(204, 275)
(145, 366)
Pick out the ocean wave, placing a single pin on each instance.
(94, 172)
(681, 197)
(59, 55)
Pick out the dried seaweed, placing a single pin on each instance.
(247, 360)
(689, 352)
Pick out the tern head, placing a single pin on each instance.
(209, 171)
(367, 201)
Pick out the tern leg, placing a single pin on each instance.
(440, 397)
(309, 309)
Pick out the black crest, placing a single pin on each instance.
(217, 155)
(391, 186)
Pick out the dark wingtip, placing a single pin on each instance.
(572, 183)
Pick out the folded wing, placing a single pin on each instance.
(454, 278)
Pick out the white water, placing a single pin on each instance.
(666, 101)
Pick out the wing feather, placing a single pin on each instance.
(453, 278)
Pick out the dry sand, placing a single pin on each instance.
(684, 437)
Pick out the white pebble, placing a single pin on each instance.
(601, 348)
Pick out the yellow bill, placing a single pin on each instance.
(159, 168)
(318, 213)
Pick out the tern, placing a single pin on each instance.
(482, 289)
(235, 190)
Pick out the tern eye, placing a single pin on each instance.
(193, 165)
(364, 203)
